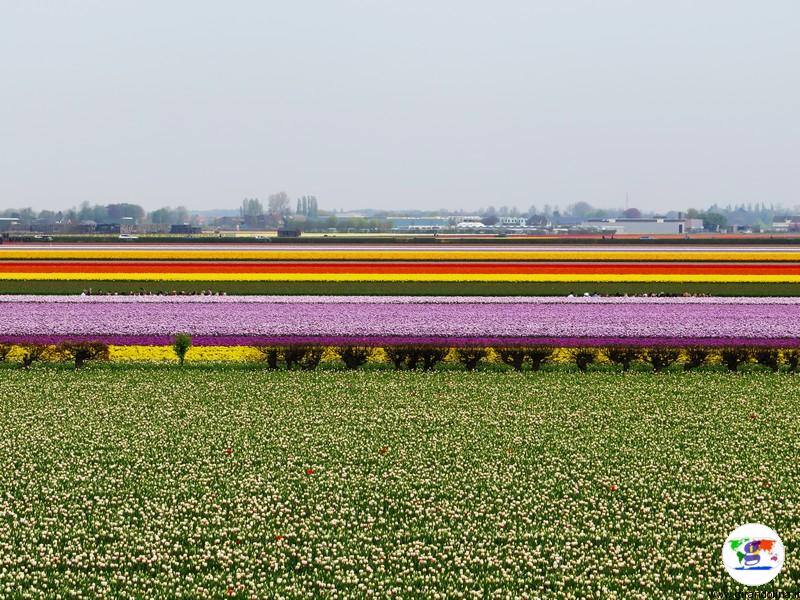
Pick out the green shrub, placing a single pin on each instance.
(81, 352)
(353, 356)
(271, 354)
(5, 350)
(768, 357)
(661, 358)
(514, 357)
(583, 357)
(734, 357)
(431, 357)
(792, 359)
(470, 357)
(398, 355)
(537, 355)
(623, 356)
(696, 356)
(304, 357)
(32, 353)
(181, 345)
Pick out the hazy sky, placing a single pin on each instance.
(412, 103)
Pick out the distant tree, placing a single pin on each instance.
(123, 210)
(714, 221)
(278, 203)
(85, 212)
(181, 215)
(489, 220)
(252, 207)
(580, 209)
(632, 213)
(163, 215)
(48, 216)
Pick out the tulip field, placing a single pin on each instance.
(387, 321)
(216, 482)
(449, 269)
(289, 421)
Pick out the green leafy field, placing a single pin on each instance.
(155, 481)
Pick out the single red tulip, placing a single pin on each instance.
(309, 471)
(614, 487)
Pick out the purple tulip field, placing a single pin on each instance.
(386, 321)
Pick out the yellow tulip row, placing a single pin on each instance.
(250, 354)
(393, 255)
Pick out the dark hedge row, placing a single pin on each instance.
(307, 357)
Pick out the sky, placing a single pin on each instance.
(422, 104)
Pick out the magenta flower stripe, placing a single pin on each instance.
(402, 320)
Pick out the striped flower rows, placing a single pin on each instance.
(265, 320)
(529, 264)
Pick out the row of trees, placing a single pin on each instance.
(308, 357)
(278, 207)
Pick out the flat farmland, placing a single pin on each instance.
(213, 482)
(404, 269)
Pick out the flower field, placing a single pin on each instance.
(229, 267)
(160, 482)
(387, 321)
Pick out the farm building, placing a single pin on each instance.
(638, 226)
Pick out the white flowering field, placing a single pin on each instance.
(154, 481)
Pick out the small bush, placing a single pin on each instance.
(470, 357)
(431, 357)
(181, 345)
(354, 356)
(271, 354)
(537, 355)
(81, 352)
(304, 357)
(398, 355)
(413, 356)
(32, 353)
(734, 357)
(661, 358)
(768, 357)
(5, 350)
(583, 357)
(623, 356)
(513, 357)
(696, 356)
(792, 359)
